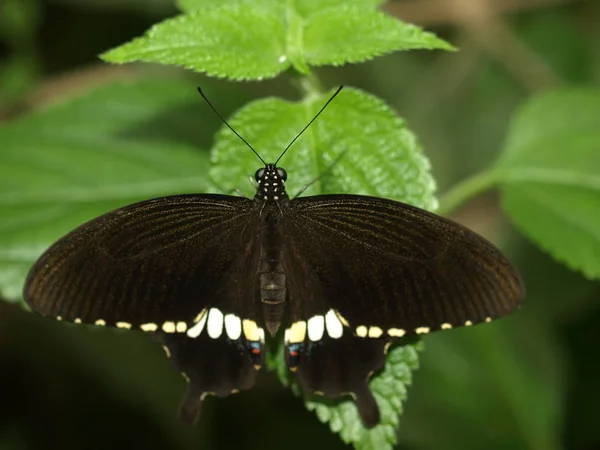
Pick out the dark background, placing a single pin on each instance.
(527, 382)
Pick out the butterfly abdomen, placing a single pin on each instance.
(272, 280)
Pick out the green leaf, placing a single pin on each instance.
(372, 152)
(244, 40)
(303, 7)
(550, 172)
(358, 145)
(307, 8)
(195, 5)
(76, 160)
(352, 34)
(240, 42)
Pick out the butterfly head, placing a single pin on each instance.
(271, 183)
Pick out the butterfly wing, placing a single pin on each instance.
(162, 266)
(362, 267)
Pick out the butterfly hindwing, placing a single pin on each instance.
(330, 360)
(222, 359)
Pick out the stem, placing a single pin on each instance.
(465, 190)
(310, 86)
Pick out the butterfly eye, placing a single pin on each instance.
(282, 173)
(259, 174)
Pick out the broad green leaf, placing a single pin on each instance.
(550, 172)
(303, 7)
(244, 40)
(235, 41)
(307, 8)
(352, 34)
(76, 160)
(358, 145)
(195, 5)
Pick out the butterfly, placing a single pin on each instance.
(212, 275)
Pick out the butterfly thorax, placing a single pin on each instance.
(271, 183)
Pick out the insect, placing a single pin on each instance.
(212, 274)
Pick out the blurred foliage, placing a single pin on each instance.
(526, 382)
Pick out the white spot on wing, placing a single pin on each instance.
(78, 320)
(422, 330)
(468, 323)
(181, 327)
(335, 329)
(100, 322)
(195, 331)
(446, 326)
(316, 328)
(125, 325)
(214, 327)
(233, 326)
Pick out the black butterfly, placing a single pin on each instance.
(210, 273)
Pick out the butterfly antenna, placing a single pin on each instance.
(230, 127)
(309, 123)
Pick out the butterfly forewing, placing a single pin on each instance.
(388, 266)
(154, 262)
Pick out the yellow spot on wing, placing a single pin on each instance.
(181, 327)
(125, 325)
(149, 327)
(78, 320)
(468, 323)
(422, 330)
(361, 331)
(446, 326)
(375, 332)
(169, 327)
(250, 330)
(488, 319)
(342, 319)
(396, 332)
(199, 316)
(297, 332)
(100, 322)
